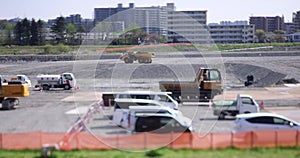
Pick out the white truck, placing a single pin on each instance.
(22, 78)
(242, 105)
(65, 81)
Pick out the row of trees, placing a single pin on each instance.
(276, 36)
(26, 32)
(33, 33)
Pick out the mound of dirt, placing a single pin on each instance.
(262, 77)
(287, 81)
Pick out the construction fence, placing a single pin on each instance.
(82, 140)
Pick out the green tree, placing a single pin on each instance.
(80, 30)
(8, 32)
(278, 36)
(25, 34)
(34, 38)
(71, 32)
(41, 32)
(18, 33)
(261, 35)
(59, 29)
(163, 39)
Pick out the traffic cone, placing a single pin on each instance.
(261, 105)
(64, 145)
(210, 104)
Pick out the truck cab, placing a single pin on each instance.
(247, 104)
(68, 79)
(22, 78)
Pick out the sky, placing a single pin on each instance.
(217, 10)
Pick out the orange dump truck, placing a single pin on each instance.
(141, 57)
(10, 92)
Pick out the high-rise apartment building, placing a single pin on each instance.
(289, 28)
(151, 19)
(296, 21)
(268, 24)
(104, 13)
(187, 26)
(74, 19)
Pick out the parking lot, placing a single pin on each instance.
(56, 111)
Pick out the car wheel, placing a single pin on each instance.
(221, 116)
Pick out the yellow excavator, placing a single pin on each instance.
(10, 91)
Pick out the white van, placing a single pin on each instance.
(121, 108)
(163, 97)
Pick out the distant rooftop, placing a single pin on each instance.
(230, 23)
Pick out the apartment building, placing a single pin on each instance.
(232, 32)
(151, 19)
(268, 24)
(74, 19)
(187, 26)
(296, 20)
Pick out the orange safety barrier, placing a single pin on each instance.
(81, 140)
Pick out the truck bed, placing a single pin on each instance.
(177, 85)
(225, 103)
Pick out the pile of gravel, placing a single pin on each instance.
(263, 77)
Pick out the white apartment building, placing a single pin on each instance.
(232, 32)
(187, 26)
(151, 19)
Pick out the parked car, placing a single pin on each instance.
(121, 108)
(134, 110)
(159, 123)
(263, 121)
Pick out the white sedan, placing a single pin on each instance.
(263, 121)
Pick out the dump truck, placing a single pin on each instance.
(10, 91)
(242, 105)
(64, 80)
(206, 85)
(141, 57)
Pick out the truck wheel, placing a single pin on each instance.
(140, 60)
(126, 60)
(67, 87)
(15, 101)
(221, 116)
(6, 104)
(130, 61)
(46, 87)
